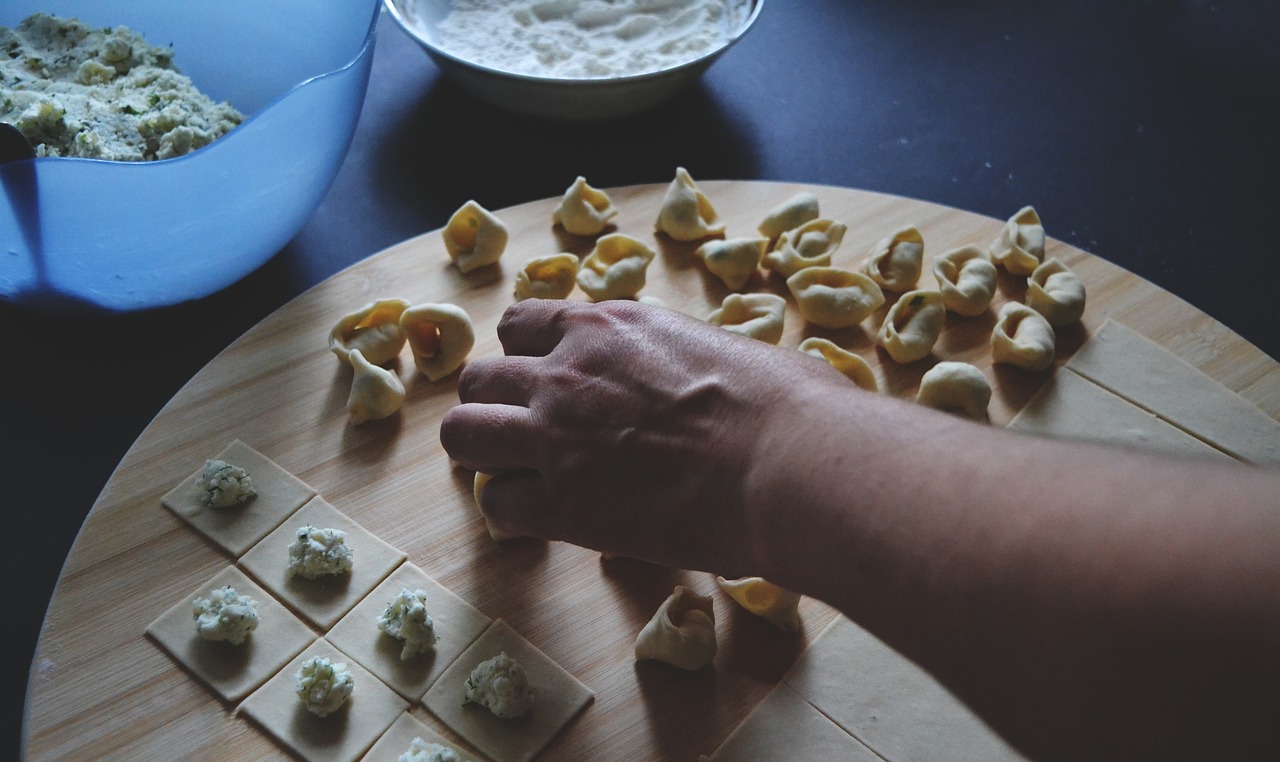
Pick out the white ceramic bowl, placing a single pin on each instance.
(560, 98)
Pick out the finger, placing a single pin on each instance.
(490, 437)
(533, 327)
(498, 381)
(515, 502)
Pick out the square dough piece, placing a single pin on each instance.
(785, 726)
(891, 705)
(1068, 406)
(238, 527)
(323, 600)
(1152, 377)
(457, 624)
(558, 698)
(343, 735)
(232, 671)
(398, 737)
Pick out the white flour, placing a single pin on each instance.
(586, 38)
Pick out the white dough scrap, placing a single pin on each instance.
(829, 297)
(1022, 338)
(323, 686)
(1056, 292)
(759, 316)
(440, 337)
(912, 326)
(849, 363)
(376, 393)
(809, 245)
(686, 213)
(225, 615)
(733, 260)
(682, 632)
(584, 210)
(474, 237)
(374, 330)
(406, 618)
(966, 280)
(896, 261)
(549, 277)
(956, 387)
(791, 213)
(318, 552)
(615, 268)
(1020, 246)
(779, 607)
(223, 484)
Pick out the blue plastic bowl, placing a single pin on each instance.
(125, 236)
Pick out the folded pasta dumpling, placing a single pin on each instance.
(895, 261)
(374, 329)
(682, 632)
(833, 298)
(791, 213)
(550, 277)
(477, 487)
(474, 238)
(733, 260)
(584, 210)
(686, 213)
(912, 326)
(809, 245)
(615, 268)
(376, 392)
(779, 607)
(440, 338)
(956, 387)
(966, 280)
(1020, 246)
(849, 363)
(1056, 292)
(759, 316)
(1023, 338)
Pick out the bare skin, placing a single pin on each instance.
(1088, 603)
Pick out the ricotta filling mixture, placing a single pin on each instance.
(586, 38)
(102, 93)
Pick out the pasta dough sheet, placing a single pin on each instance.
(232, 671)
(238, 527)
(401, 733)
(457, 625)
(785, 726)
(1154, 378)
(558, 698)
(342, 736)
(891, 705)
(1068, 406)
(326, 599)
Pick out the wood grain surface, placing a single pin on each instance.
(100, 689)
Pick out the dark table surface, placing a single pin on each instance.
(1144, 132)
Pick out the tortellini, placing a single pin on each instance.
(1020, 246)
(912, 326)
(791, 213)
(966, 280)
(829, 297)
(376, 392)
(809, 245)
(733, 260)
(779, 607)
(477, 488)
(686, 213)
(849, 363)
(374, 329)
(1056, 292)
(956, 387)
(615, 268)
(584, 210)
(474, 238)
(1023, 338)
(682, 632)
(760, 316)
(550, 277)
(896, 261)
(440, 338)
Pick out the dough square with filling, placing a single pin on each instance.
(785, 726)
(457, 625)
(236, 528)
(558, 698)
(324, 600)
(343, 735)
(232, 671)
(891, 705)
(398, 737)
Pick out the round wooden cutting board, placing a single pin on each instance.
(100, 688)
